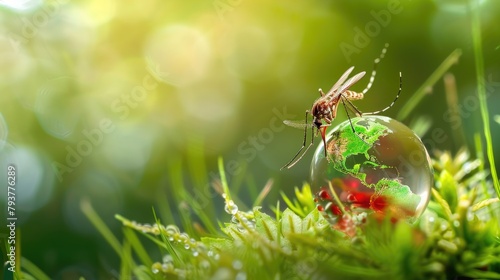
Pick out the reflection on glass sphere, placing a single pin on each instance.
(382, 169)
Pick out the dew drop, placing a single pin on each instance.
(155, 268)
(237, 265)
(205, 264)
(231, 208)
(168, 259)
(183, 237)
(171, 229)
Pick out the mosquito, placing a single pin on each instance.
(324, 109)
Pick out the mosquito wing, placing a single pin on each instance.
(341, 80)
(354, 79)
(297, 124)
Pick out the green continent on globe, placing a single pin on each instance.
(399, 194)
(345, 144)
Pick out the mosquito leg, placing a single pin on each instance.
(305, 151)
(374, 71)
(349, 118)
(292, 162)
(354, 108)
(394, 101)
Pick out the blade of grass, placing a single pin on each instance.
(126, 261)
(444, 204)
(141, 252)
(223, 179)
(294, 206)
(33, 270)
(481, 91)
(480, 156)
(180, 194)
(252, 187)
(128, 223)
(484, 203)
(196, 161)
(89, 212)
(263, 193)
(199, 211)
(239, 176)
(171, 250)
(198, 171)
(450, 89)
(280, 223)
(185, 215)
(424, 88)
(163, 204)
(336, 198)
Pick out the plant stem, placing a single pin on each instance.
(427, 85)
(478, 55)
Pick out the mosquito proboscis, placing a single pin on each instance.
(324, 109)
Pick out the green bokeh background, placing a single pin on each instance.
(160, 84)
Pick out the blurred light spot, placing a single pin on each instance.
(4, 131)
(66, 29)
(13, 57)
(102, 191)
(36, 75)
(129, 146)
(457, 6)
(218, 97)
(211, 109)
(248, 51)
(451, 20)
(21, 5)
(57, 107)
(98, 11)
(178, 54)
(34, 177)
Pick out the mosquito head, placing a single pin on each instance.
(321, 111)
(317, 122)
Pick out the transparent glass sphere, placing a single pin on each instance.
(383, 169)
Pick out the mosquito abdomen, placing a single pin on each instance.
(352, 95)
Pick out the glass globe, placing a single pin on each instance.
(381, 169)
